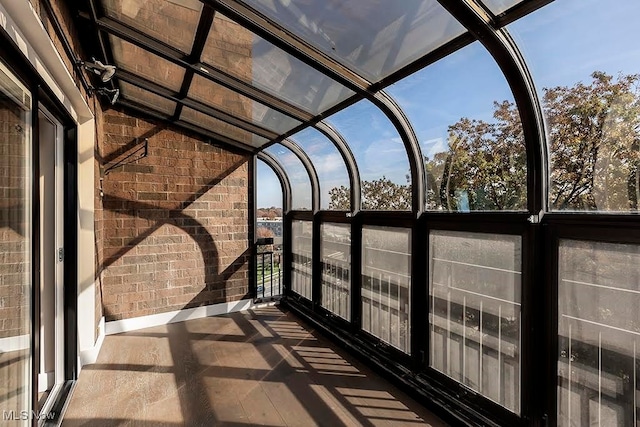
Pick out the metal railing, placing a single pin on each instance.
(269, 280)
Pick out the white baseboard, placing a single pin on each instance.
(19, 342)
(90, 355)
(136, 323)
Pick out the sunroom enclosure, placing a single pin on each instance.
(459, 182)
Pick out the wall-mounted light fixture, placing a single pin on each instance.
(105, 72)
(112, 94)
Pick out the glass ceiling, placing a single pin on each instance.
(256, 72)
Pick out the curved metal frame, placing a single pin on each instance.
(349, 160)
(277, 168)
(506, 54)
(311, 170)
(301, 50)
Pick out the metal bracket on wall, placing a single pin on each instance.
(140, 151)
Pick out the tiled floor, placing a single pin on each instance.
(253, 368)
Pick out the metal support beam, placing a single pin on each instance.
(350, 162)
(277, 168)
(311, 170)
(155, 47)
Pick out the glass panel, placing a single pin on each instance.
(589, 81)
(386, 280)
(381, 157)
(474, 150)
(374, 40)
(268, 225)
(146, 98)
(335, 252)
(301, 261)
(335, 186)
(298, 176)
(15, 247)
(221, 128)
(239, 52)
(136, 60)
(475, 293)
(599, 334)
(229, 101)
(499, 6)
(173, 22)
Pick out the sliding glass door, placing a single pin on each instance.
(16, 261)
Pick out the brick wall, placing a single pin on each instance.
(176, 228)
(15, 289)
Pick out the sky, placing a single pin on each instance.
(562, 44)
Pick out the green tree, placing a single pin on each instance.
(379, 194)
(594, 143)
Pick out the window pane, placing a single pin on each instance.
(599, 333)
(301, 262)
(475, 291)
(136, 60)
(15, 245)
(386, 280)
(474, 150)
(335, 187)
(239, 52)
(269, 224)
(374, 40)
(381, 157)
(221, 128)
(589, 85)
(231, 102)
(146, 98)
(336, 268)
(173, 22)
(298, 176)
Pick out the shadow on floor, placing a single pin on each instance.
(261, 367)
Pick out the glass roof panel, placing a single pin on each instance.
(331, 169)
(173, 22)
(499, 6)
(374, 39)
(146, 98)
(231, 102)
(470, 133)
(136, 60)
(222, 128)
(298, 176)
(242, 54)
(380, 154)
(584, 57)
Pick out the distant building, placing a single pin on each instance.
(273, 224)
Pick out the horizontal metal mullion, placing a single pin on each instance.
(228, 118)
(143, 83)
(426, 60)
(165, 118)
(155, 47)
(196, 105)
(280, 37)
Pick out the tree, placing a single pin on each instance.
(594, 143)
(379, 194)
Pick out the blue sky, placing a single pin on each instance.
(562, 43)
